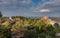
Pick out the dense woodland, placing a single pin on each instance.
(27, 27)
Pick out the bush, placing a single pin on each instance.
(40, 32)
(4, 32)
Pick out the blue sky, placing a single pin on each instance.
(30, 8)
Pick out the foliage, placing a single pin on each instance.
(5, 32)
(40, 32)
(35, 28)
(0, 14)
(57, 28)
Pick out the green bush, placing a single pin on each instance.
(4, 32)
(40, 32)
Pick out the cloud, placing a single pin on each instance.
(44, 10)
(46, 6)
(29, 7)
(25, 2)
(53, 4)
(49, 8)
(8, 3)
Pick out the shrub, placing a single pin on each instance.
(40, 31)
(4, 32)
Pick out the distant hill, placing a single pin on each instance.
(55, 18)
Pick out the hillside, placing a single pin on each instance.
(20, 26)
(55, 18)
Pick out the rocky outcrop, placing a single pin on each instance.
(47, 20)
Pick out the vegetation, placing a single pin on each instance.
(28, 27)
(0, 14)
(40, 32)
(5, 32)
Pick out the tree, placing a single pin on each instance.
(56, 25)
(0, 14)
(5, 32)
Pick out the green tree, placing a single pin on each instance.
(4, 32)
(0, 14)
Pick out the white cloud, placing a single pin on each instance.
(41, 7)
(44, 10)
(41, 10)
(53, 4)
(25, 2)
(47, 6)
(15, 2)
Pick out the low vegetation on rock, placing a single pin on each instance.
(28, 27)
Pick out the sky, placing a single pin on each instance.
(30, 8)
